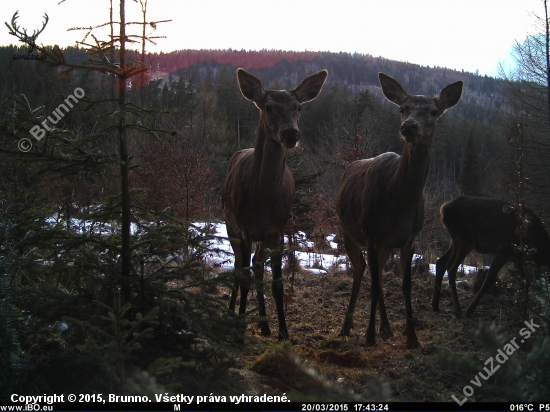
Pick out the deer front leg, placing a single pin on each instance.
(407, 252)
(358, 265)
(236, 281)
(277, 285)
(384, 322)
(241, 249)
(246, 281)
(258, 269)
(375, 290)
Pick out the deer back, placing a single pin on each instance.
(483, 223)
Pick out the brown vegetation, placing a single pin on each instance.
(426, 374)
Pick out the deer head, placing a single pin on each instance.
(419, 114)
(280, 109)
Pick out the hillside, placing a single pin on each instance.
(356, 72)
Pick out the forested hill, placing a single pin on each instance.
(354, 72)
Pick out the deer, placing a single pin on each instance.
(380, 202)
(486, 226)
(259, 188)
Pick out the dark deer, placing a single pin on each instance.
(22, 35)
(259, 188)
(380, 203)
(483, 225)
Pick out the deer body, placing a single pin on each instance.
(258, 190)
(271, 191)
(376, 185)
(480, 224)
(380, 203)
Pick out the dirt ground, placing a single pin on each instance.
(316, 315)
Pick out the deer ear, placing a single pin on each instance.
(310, 87)
(251, 87)
(391, 88)
(450, 95)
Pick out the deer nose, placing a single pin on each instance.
(290, 137)
(409, 128)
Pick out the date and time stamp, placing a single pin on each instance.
(180, 402)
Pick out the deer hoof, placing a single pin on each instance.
(370, 342)
(264, 327)
(371, 336)
(348, 326)
(344, 332)
(412, 340)
(413, 343)
(386, 330)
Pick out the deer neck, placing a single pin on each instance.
(269, 163)
(412, 172)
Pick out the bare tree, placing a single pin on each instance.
(528, 122)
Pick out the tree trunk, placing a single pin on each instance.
(124, 166)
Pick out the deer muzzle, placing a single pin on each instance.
(409, 129)
(289, 137)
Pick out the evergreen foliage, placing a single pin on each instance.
(116, 296)
(520, 377)
(470, 170)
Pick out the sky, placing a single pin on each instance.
(469, 35)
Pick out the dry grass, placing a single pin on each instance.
(315, 317)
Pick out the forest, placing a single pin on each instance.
(113, 276)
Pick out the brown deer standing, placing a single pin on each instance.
(258, 190)
(481, 224)
(380, 203)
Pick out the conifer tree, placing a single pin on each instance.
(112, 262)
(470, 170)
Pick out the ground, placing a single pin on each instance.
(316, 315)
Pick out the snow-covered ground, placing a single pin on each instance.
(314, 262)
(221, 253)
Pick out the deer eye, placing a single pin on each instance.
(401, 110)
(434, 113)
(268, 109)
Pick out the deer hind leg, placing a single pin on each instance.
(407, 252)
(258, 269)
(441, 265)
(460, 253)
(358, 264)
(498, 261)
(276, 243)
(384, 322)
